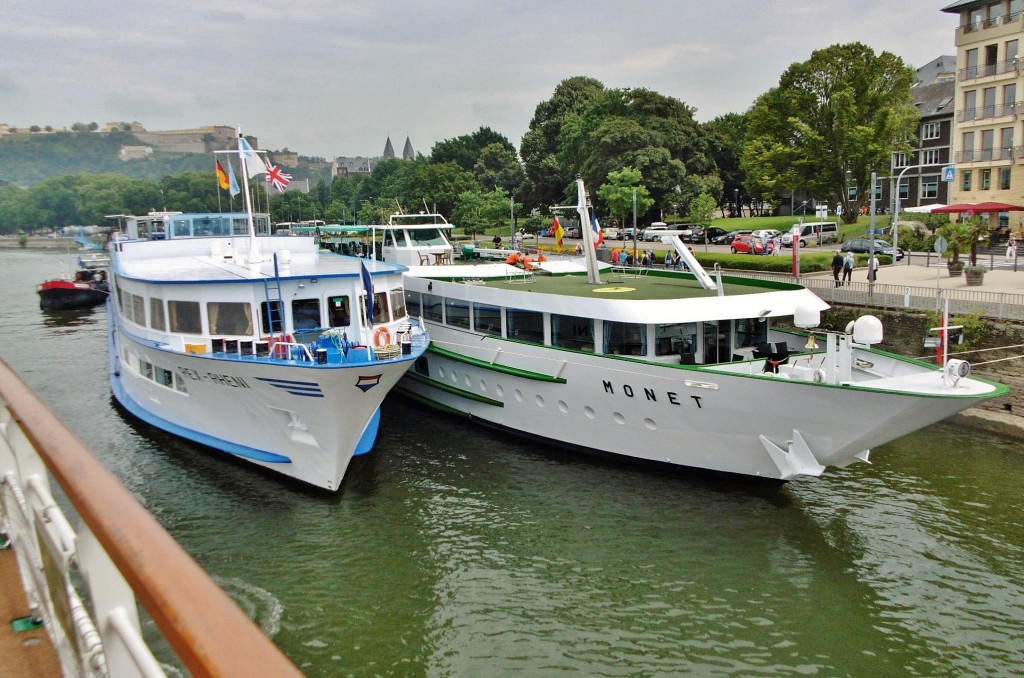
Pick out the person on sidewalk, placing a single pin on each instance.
(847, 268)
(873, 269)
(837, 266)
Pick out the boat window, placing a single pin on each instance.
(156, 314)
(487, 319)
(432, 307)
(275, 311)
(675, 338)
(338, 313)
(716, 342)
(380, 307)
(398, 303)
(184, 317)
(146, 369)
(412, 303)
(181, 228)
(457, 312)
(306, 314)
(426, 236)
(625, 338)
(163, 377)
(750, 332)
(569, 331)
(525, 325)
(139, 309)
(179, 384)
(124, 300)
(229, 317)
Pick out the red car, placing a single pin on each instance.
(748, 244)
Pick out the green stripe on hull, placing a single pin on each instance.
(515, 371)
(462, 393)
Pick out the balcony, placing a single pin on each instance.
(989, 23)
(986, 70)
(990, 154)
(989, 112)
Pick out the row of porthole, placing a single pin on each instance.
(563, 407)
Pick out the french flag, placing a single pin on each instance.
(598, 233)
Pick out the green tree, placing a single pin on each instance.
(617, 193)
(499, 166)
(478, 211)
(725, 135)
(465, 150)
(846, 109)
(702, 208)
(639, 128)
(540, 145)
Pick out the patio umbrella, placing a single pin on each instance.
(978, 208)
(924, 209)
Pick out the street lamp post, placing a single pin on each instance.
(634, 225)
(896, 210)
(872, 272)
(736, 201)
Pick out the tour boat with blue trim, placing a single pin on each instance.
(261, 346)
(680, 368)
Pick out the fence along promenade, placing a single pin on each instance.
(119, 551)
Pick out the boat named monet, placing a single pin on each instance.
(679, 368)
(257, 345)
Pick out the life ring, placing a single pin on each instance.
(382, 337)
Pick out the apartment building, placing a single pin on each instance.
(988, 139)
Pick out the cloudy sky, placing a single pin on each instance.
(336, 77)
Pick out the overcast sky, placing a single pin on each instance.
(336, 77)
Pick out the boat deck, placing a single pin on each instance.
(27, 653)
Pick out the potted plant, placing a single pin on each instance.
(958, 235)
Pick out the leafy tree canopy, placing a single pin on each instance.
(845, 109)
(464, 151)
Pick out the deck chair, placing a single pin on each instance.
(762, 350)
(424, 260)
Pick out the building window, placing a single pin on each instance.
(930, 156)
(970, 105)
(904, 190)
(899, 159)
(1004, 178)
(965, 184)
(986, 179)
(968, 147)
(930, 130)
(1006, 142)
(929, 187)
(1009, 99)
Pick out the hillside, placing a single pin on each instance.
(29, 159)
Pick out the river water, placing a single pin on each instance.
(451, 551)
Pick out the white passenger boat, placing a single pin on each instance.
(680, 368)
(260, 346)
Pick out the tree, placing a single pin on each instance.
(540, 145)
(701, 210)
(465, 150)
(725, 136)
(499, 166)
(478, 210)
(639, 128)
(617, 193)
(846, 109)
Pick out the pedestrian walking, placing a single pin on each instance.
(837, 267)
(873, 269)
(1011, 248)
(847, 268)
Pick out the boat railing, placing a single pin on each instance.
(85, 584)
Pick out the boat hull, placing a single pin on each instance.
(747, 424)
(61, 295)
(296, 418)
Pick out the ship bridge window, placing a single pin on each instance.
(139, 309)
(229, 317)
(156, 314)
(338, 312)
(569, 331)
(750, 332)
(412, 303)
(427, 236)
(397, 303)
(432, 307)
(380, 307)
(271, 320)
(306, 314)
(675, 338)
(487, 319)
(457, 312)
(625, 338)
(525, 325)
(184, 317)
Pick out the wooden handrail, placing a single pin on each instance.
(207, 630)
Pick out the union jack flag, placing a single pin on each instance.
(277, 177)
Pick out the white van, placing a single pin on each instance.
(812, 231)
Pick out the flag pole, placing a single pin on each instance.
(254, 251)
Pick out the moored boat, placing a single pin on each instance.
(256, 345)
(679, 368)
(88, 288)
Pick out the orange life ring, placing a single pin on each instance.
(382, 337)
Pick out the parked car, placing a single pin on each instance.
(573, 232)
(750, 244)
(766, 233)
(813, 231)
(611, 233)
(728, 237)
(627, 234)
(699, 235)
(863, 246)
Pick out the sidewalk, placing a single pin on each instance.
(913, 272)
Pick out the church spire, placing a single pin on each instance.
(389, 150)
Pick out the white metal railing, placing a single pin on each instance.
(118, 554)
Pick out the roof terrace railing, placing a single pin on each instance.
(122, 555)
